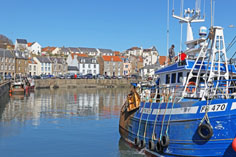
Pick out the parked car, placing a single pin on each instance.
(36, 77)
(88, 76)
(107, 77)
(114, 77)
(119, 77)
(100, 76)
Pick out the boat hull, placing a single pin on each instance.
(180, 123)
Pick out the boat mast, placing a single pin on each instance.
(189, 17)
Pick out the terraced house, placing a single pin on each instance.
(44, 65)
(112, 65)
(59, 66)
(88, 65)
(7, 63)
(21, 65)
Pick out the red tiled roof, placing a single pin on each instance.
(112, 58)
(48, 49)
(134, 48)
(79, 55)
(31, 62)
(162, 60)
(117, 53)
(29, 44)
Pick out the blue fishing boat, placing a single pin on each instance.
(191, 108)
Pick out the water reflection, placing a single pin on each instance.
(63, 122)
(64, 103)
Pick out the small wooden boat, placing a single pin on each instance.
(17, 88)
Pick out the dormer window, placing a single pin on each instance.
(83, 60)
(93, 61)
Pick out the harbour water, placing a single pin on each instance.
(63, 122)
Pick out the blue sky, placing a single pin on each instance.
(113, 24)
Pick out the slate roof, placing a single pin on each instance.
(87, 50)
(59, 60)
(72, 68)
(88, 60)
(6, 53)
(43, 59)
(21, 41)
(74, 49)
(105, 50)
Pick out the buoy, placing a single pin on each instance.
(234, 144)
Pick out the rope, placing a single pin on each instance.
(173, 102)
(154, 127)
(164, 116)
(206, 118)
(149, 114)
(141, 116)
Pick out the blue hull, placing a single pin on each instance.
(180, 122)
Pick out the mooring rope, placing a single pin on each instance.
(147, 98)
(149, 114)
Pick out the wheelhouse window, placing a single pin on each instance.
(173, 78)
(167, 78)
(180, 77)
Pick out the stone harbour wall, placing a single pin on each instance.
(4, 88)
(83, 83)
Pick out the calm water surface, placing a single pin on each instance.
(63, 122)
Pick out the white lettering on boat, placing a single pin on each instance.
(233, 107)
(182, 110)
(214, 108)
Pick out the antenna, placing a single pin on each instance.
(190, 16)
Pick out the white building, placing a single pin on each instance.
(34, 48)
(33, 66)
(21, 45)
(88, 65)
(150, 56)
(136, 51)
(44, 65)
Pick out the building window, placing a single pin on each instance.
(46, 69)
(88, 65)
(173, 78)
(30, 67)
(94, 71)
(9, 67)
(1, 67)
(34, 67)
(180, 77)
(83, 65)
(13, 67)
(41, 68)
(167, 78)
(126, 66)
(19, 68)
(94, 65)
